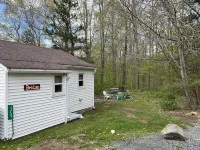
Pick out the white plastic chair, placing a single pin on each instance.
(106, 96)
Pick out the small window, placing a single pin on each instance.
(58, 84)
(81, 80)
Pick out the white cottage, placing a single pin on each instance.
(40, 88)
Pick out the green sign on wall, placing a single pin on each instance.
(10, 112)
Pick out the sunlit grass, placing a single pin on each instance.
(132, 118)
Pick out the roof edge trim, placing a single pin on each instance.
(80, 67)
(37, 71)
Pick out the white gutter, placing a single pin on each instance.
(67, 104)
(5, 113)
(6, 104)
(93, 89)
(37, 71)
(5, 101)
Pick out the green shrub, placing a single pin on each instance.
(167, 100)
(169, 104)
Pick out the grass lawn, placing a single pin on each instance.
(132, 118)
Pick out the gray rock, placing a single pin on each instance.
(173, 132)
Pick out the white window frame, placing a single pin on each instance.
(81, 87)
(54, 84)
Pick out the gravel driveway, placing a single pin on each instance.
(156, 142)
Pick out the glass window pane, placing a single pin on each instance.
(80, 83)
(58, 79)
(80, 76)
(58, 88)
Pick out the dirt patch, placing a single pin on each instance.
(143, 121)
(130, 109)
(129, 115)
(183, 115)
(133, 116)
(77, 138)
(55, 145)
(52, 145)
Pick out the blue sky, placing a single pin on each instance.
(2, 6)
(46, 41)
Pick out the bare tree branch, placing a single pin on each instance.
(143, 23)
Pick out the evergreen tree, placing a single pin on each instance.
(63, 28)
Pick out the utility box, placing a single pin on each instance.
(10, 112)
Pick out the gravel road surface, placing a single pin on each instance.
(156, 142)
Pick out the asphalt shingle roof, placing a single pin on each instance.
(23, 56)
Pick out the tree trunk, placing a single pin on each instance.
(114, 52)
(135, 31)
(124, 58)
(184, 76)
(101, 8)
(87, 51)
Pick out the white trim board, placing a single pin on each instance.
(37, 71)
(6, 105)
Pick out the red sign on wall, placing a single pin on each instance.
(31, 87)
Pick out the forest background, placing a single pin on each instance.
(144, 45)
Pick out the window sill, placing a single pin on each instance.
(81, 88)
(58, 95)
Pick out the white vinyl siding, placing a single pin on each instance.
(81, 97)
(2, 100)
(34, 110)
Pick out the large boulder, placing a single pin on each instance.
(173, 132)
